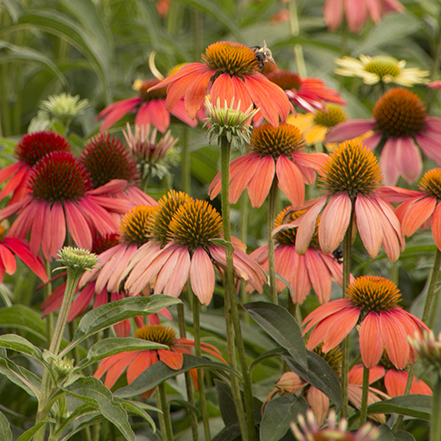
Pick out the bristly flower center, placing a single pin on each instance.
(231, 58)
(104, 243)
(59, 177)
(373, 293)
(285, 139)
(158, 334)
(399, 112)
(135, 225)
(430, 183)
(353, 169)
(335, 115)
(383, 65)
(285, 79)
(143, 86)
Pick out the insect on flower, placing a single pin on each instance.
(263, 54)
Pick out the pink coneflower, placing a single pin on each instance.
(395, 382)
(31, 148)
(105, 159)
(303, 272)
(13, 245)
(308, 93)
(150, 107)
(190, 253)
(228, 70)
(400, 121)
(357, 12)
(137, 362)
(351, 178)
(371, 302)
(276, 153)
(60, 194)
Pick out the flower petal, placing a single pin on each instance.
(202, 277)
(290, 181)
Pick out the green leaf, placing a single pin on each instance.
(20, 344)
(281, 326)
(269, 354)
(415, 405)
(223, 243)
(134, 407)
(92, 391)
(387, 435)
(107, 315)
(34, 429)
(23, 378)
(228, 433)
(95, 418)
(159, 372)
(226, 403)
(278, 414)
(319, 374)
(116, 345)
(5, 430)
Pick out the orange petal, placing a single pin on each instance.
(202, 277)
(417, 214)
(395, 340)
(174, 360)
(371, 340)
(260, 183)
(139, 365)
(368, 224)
(290, 181)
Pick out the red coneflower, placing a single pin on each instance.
(228, 70)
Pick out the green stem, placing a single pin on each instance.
(432, 286)
(198, 353)
(397, 425)
(166, 412)
(295, 31)
(364, 395)
(435, 419)
(234, 333)
(49, 317)
(186, 160)
(272, 199)
(161, 419)
(243, 232)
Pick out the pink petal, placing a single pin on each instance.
(409, 159)
(418, 213)
(202, 277)
(349, 129)
(290, 180)
(368, 224)
(371, 340)
(319, 275)
(176, 283)
(395, 339)
(260, 183)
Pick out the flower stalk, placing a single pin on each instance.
(364, 396)
(272, 199)
(166, 425)
(432, 286)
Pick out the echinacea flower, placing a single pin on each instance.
(428, 350)
(372, 303)
(190, 253)
(150, 107)
(400, 121)
(351, 178)
(137, 362)
(60, 200)
(308, 429)
(228, 70)
(357, 12)
(13, 245)
(384, 69)
(308, 93)
(105, 159)
(314, 269)
(420, 209)
(31, 148)
(395, 383)
(276, 153)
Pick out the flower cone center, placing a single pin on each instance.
(331, 118)
(105, 158)
(285, 79)
(232, 58)
(373, 293)
(430, 183)
(332, 357)
(161, 218)
(135, 225)
(285, 139)
(382, 66)
(104, 243)
(194, 224)
(35, 146)
(59, 177)
(144, 86)
(157, 333)
(399, 112)
(351, 168)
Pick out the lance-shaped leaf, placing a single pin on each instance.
(20, 344)
(23, 378)
(34, 429)
(318, 374)
(387, 435)
(5, 430)
(111, 313)
(281, 326)
(159, 372)
(134, 407)
(92, 391)
(415, 405)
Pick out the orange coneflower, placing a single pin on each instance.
(228, 70)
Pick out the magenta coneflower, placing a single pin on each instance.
(276, 153)
(150, 106)
(400, 121)
(105, 159)
(228, 70)
(31, 148)
(60, 196)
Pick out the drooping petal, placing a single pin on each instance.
(7, 259)
(333, 14)
(371, 340)
(174, 360)
(180, 113)
(80, 304)
(368, 224)
(319, 404)
(202, 276)
(349, 129)
(290, 181)
(395, 339)
(243, 176)
(436, 226)
(176, 283)
(430, 146)
(319, 275)
(195, 94)
(260, 184)
(153, 112)
(78, 226)
(118, 368)
(116, 111)
(409, 159)
(420, 211)
(139, 364)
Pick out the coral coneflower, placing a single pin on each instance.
(351, 178)
(150, 107)
(308, 93)
(189, 254)
(303, 272)
(31, 148)
(400, 121)
(137, 362)
(380, 68)
(228, 70)
(275, 152)
(357, 13)
(59, 195)
(105, 159)
(372, 302)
